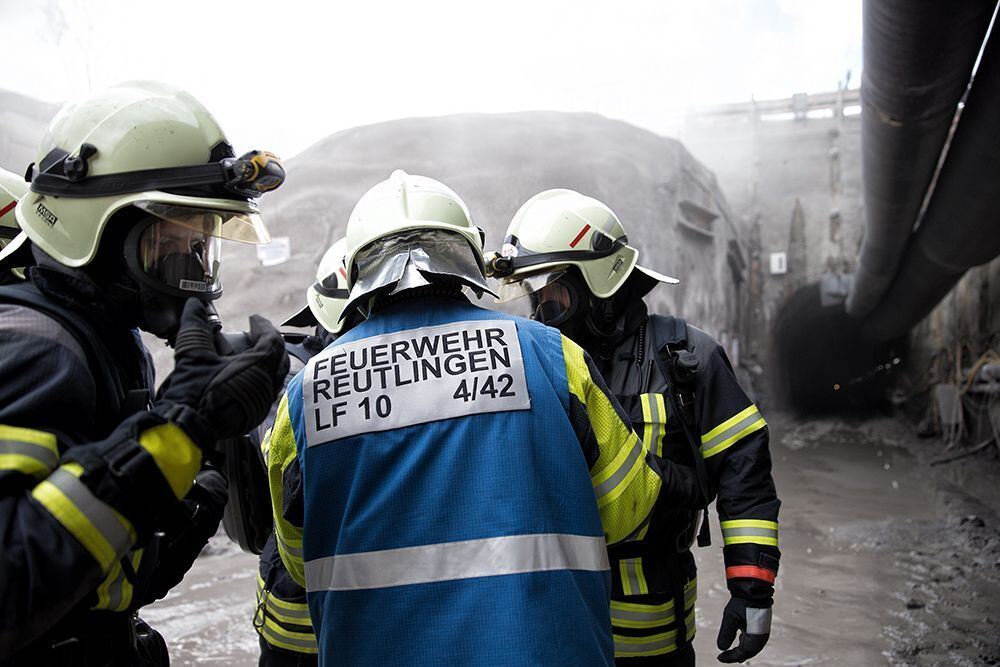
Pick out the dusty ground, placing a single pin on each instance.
(886, 560)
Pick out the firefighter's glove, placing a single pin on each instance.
(754, 625)
(213, 395)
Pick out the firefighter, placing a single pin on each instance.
(445, 478)
(281, 616)
(569, 254)
(12, 188)
(100, 511)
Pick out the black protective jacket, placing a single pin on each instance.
(87, 474)
(655, 574)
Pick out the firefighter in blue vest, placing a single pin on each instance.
(458, 471)
(281, 616)
(570, 255)
(102, 505)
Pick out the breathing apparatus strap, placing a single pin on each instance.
(110, 390)
(679, 367)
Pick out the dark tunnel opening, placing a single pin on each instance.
(822, 362)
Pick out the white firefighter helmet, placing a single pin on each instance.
(408, 231)
(558, 229)
(154, 147)
(326, 298)
(12, 188)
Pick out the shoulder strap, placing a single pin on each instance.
(110, 389)
(679, 367)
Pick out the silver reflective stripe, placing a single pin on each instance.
(610, 483)
(667, 642)
(732, 430)
(115, 590)
(100, 515)
(286, 640)
(662, 616)
(488, 557)
(632, 572)
(299, 615)
(758, 621)
(654, 413)
(750, 532)
(43, 454)
(295, 551)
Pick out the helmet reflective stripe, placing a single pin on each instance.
(12, 188)
(133, 127)
(562, 228)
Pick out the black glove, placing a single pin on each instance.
(754, 625)
(213, 395)
(185, 534)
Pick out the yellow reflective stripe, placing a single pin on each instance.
(624, 484)
(30, 435)
(612, 481)
(623, 573)
(749, 523)
(177, 457)
(98, 527)
(24, 463)
(655, 644)
(632, 577)
(115, 592)
(750, 531)
(275, 635)
(293, 613)
(647, 427)
(728, 423)
(731, 431)
(662, 431)
(280, 444)
(27, 451)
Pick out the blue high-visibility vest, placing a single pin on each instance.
(449, 512)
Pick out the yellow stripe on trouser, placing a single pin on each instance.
(750, 531)
(272, 612)
(281, 453)
(625, 486)
(731, 431)
(99, 528)
(658, 644)
(638, 616)
(28, 451)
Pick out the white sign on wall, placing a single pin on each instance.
(779, 263)
(278, 251)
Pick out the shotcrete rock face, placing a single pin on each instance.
(495, 162)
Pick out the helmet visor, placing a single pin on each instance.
(181, 257)
(230, 225)
(522, 286)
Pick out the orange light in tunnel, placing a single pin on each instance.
(836, 387)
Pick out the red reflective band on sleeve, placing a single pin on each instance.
(7, 209)
(750, 572)
(579, 236)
